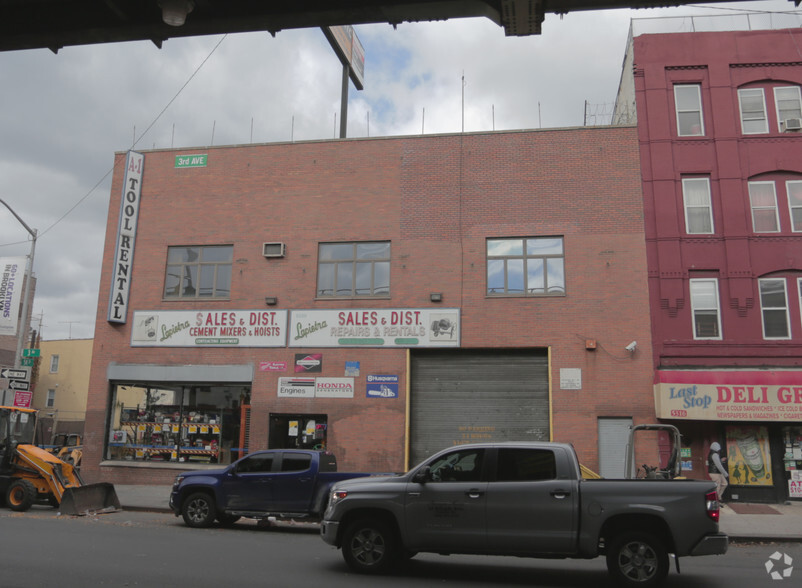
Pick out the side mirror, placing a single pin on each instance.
(423, 475)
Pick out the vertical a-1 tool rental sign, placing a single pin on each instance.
(126, 236)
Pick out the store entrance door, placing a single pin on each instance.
(297, 431)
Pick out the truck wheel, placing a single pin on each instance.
(21, 495)
(370, 547)
(637, 559)
(198, 510)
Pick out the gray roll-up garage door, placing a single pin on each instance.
(469, 396)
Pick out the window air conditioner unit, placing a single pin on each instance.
(273, 249)
(792, 124)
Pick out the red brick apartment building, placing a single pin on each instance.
(720, 133)
(380, 298)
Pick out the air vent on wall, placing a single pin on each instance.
(273, 249)
(792, 124)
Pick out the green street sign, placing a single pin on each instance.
(27, 361)
(31, 352)
(191, 160)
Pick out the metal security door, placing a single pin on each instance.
(613, 439)
(475, 396)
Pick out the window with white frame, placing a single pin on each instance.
(705, 308)
(794, 190)
(753, 111)
(789, 107)
(53, 364)
(774, 307)
(533, 266)
(763, 200)
(51, 398)
(688, 102)
(698, 206)
(198, 272)
(353, 269)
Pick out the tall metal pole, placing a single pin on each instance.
(23, 327)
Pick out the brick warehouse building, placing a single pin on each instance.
(380, 298)
(719, 119)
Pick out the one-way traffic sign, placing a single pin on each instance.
(14, 374)
(18, 385)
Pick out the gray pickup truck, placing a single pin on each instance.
(526, 500)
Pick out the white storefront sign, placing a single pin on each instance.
(729, 395)
(209, 328)
(12, 273)
(396, 327)
(126, 237)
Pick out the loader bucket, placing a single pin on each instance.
(90, 498)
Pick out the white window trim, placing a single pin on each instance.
(765, 114)
(717, 308)
(762, 309)
(777, 104)
(51, 398)
(709, 207)
(752, 208)
(54, 362)
(698, 88)
(790, 206)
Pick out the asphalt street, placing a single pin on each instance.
(131, 548)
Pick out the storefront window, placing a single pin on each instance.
(792, 459)
(167, 423)
(748, 456)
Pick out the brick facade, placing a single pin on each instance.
(436, 199)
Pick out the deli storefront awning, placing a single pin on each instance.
(729, 395)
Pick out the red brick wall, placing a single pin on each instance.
(436, 198)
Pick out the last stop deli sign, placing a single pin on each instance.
(385, 327)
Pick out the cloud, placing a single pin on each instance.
(65, 115)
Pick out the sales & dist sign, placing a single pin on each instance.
(748, 395)
(378, 327)
(209, 328)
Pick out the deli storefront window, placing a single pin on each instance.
(181, 424)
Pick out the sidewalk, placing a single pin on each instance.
(754, 522)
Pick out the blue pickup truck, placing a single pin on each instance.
(280, 483)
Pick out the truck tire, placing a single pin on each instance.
(637, 559)
(198, 510)
(370, 546)
(21, 495)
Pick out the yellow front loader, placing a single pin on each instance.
(29, 474)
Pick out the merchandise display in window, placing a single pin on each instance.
(171, 425)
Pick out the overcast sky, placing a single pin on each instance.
(64, 115)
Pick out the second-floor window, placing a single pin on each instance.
(688, 103)
(533, 266)
(51, 398)
(774, 306)
(753, 111)
(794, 190)
(353, 269)
(789, 107)
(705, 307)
(763, 201)
(698, 207)
(54, 364)
(198, 272)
